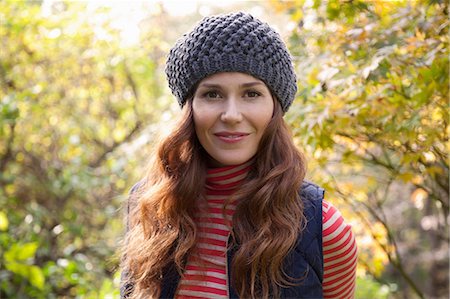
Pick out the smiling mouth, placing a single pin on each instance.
(231, 137)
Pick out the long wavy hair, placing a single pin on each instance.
(265, 226)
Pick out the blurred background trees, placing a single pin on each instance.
(83, 95)
(73, 101)
(373, 111)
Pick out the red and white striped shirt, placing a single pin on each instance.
(206, 275)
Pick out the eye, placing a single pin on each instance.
(252, 94)
(211, 94)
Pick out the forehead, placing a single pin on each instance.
(230, 78)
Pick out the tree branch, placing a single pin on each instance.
(394, 260)
(108, 149)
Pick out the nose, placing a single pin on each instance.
(232, 112)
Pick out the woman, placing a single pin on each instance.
(224, 212)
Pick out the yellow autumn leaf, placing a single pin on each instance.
(407, 176)
(4, 223)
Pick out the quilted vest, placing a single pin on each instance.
(304, 261)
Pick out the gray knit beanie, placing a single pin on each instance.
(235, 42)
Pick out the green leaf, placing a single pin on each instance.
(17, 268)
(32, 273)
(36, 277)
(21, 252)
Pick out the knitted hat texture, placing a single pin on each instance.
(235, 42)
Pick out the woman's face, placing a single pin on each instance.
(231, 111)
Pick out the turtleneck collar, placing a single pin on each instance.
(227, 177)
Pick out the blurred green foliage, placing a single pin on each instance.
(71, 98)
(368, 288)
(373, 116)
(79, 108)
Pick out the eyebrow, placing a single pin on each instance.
(243, 85)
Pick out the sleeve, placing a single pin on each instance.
(339, 255)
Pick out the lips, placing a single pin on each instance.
(231, 137)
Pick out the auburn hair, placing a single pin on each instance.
(266, 224)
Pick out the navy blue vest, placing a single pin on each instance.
(304, 261)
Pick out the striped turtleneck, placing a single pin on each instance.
(206, 274)
(206, 269)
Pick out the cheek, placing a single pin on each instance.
(201, 122)
(264, 117)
